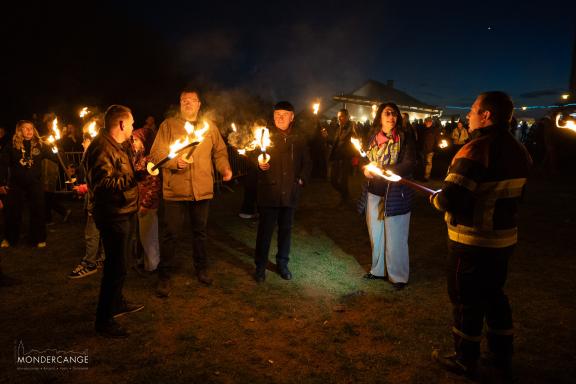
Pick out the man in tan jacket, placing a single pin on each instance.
(187, 187)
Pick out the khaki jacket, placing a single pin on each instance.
(196, 181)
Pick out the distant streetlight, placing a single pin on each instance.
(565, 96)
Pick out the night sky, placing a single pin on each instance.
(443, 53)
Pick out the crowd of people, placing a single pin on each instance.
(124, 196)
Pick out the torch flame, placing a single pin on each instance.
(55, 149)
(84, 112)
(234, 127)
(316, 107)
(199, 133)
(242, 151)
(568, 124)
(188, 127)
(388, 175)
(391, 176)
(92, 129)
(443, 143)
(51, 139)
(373, 168)
(176, 146)
(358, 146)
(55, 129)
(263, 138)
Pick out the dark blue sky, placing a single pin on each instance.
(443, 53)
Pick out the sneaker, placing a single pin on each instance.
(5, 244)
(127, 307)
(41, 245)
(111, 330)
(455, 364)
(82, 270)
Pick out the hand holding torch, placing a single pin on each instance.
(392, 177)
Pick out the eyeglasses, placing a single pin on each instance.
(390, 113)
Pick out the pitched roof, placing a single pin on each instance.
(374, 92)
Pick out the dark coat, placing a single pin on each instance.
(342, 147)
(25, 168)
(290, 166)
(112, 186)
(398, 197)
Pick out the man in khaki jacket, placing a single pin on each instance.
(187, 187)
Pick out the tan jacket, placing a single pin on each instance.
(196, 181)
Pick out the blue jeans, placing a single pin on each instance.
(389, 240)
(94, 249)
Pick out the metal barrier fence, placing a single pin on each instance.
(239, 165)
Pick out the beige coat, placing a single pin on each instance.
(196, 181)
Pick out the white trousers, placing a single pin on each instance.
(389, 240)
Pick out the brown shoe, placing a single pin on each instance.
(204, 278)
(163, 288)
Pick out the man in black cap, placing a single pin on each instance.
(280, 182)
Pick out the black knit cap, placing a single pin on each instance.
(284, 106)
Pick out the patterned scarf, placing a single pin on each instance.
(384, 150)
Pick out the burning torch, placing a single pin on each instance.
(84, 112)
(53, 139)
(263, 138)
(179, 146)
(197, 137)
(391, 176)
(566, 121)
(316, 108)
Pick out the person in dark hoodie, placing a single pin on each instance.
(280, 183)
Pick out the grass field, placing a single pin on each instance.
(327, 325)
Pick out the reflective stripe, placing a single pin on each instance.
(463, 181)
(490, 239)
(435, 203)
(503, 189)
(489, 193)
(458, 332)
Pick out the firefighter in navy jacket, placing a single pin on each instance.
(480, 197)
